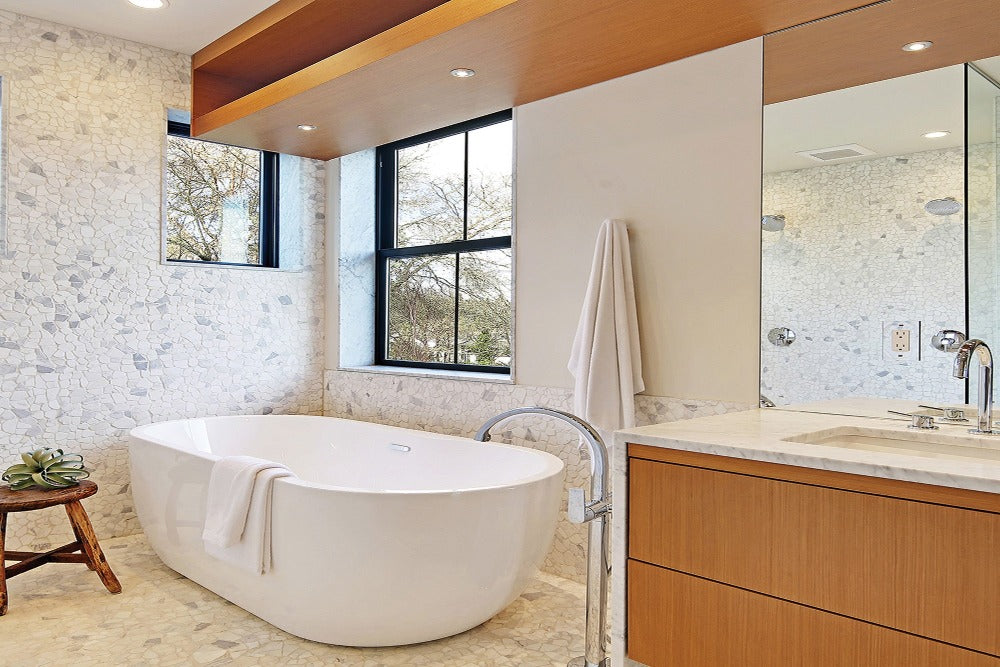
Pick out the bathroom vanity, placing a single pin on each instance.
(772, 537)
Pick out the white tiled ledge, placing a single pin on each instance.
(470, 376)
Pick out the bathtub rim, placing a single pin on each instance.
(553, 464)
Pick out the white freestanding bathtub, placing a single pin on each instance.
(386, 537)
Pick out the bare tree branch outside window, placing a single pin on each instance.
(213, 207)
(438, 201)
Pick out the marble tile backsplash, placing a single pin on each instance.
(457, 407)
(96, 335)
(984, 244)
(859, 250)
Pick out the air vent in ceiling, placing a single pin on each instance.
(835, 153)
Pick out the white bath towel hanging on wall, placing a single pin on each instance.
(605, 360)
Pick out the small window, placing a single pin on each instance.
(221, 202)
(443, 271)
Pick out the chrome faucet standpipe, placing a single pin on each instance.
(985, 394)
(596, 513)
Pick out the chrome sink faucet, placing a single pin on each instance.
(985, 393)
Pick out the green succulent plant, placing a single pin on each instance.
(47, 469)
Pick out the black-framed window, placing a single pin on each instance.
(443, 248)
(221, 202)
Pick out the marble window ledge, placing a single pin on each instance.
(471, 376)
(238, 267)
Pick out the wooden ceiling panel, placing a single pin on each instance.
(865, 46)
(293, 34)
(397, 83)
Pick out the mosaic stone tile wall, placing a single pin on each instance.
(96, 336)
(458, 407)
(984, 244)
(858, 250)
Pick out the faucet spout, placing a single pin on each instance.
(963, 359)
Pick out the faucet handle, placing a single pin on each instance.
(580, 511)
(950, 414)
(925, 422)
(577, 507)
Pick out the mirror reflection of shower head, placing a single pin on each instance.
(773, 223)
(945, 206)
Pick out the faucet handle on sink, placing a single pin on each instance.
(923, 422)
(950, 414)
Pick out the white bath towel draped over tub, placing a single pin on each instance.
(605, 360)
(238, 511)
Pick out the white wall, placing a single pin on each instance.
(675, 151)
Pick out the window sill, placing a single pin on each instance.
(469, 376)
(234, 267)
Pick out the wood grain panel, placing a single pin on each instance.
(91, 547)
(676, 619)
(942, 495)
(3, 575)
(293, 34)
(210, 91)
(280, 11)
(864, 46)
(397, 84)
(27, 500)
(922, 568)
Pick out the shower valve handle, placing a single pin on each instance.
(580, 511)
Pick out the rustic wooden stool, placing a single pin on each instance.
(86, 540)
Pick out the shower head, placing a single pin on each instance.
(945, 206)
(773, 223)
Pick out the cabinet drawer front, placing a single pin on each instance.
(928, 569)
(678, 620)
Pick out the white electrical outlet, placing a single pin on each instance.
(901, 340)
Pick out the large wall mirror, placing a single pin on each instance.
(880, 203)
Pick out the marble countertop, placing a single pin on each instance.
(762, 434)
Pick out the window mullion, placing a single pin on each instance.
(465, 199)
(475, 245)
(458, 274)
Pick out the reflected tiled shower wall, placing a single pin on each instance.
(96, 336)
(458, 407)
(859, 250)
(984, 244)
(984, 222)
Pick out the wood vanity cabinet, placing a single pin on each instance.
(736, 562)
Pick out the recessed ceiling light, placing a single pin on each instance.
(306, 127)
(937, 134)
(149, 4)
(463, 72)
(917, 46)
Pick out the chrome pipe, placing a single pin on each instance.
(596, 513)
(963, 358)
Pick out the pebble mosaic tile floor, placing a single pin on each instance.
(61, 615)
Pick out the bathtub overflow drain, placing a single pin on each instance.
(399, 448)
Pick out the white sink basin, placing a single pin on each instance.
(932, 444)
